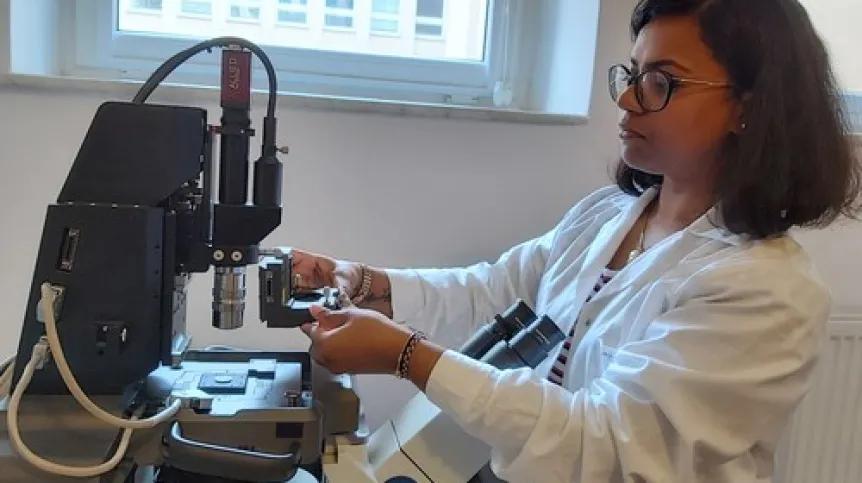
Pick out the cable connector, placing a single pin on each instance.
(194, 399)
(41, 352)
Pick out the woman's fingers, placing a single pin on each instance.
(329, 319)
(312, 271)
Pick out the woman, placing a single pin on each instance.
(693, 318)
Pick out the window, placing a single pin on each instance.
(293, 12)
(147, 4)
(385, 16)
(361, 49)
(429, 18)
(203, 8)
(339, 14)
(246, 10)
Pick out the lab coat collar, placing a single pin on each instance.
(653, 262)
(708, 225)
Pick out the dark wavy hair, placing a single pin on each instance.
(794, 164)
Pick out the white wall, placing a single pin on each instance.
(395, 191)
(838, 24)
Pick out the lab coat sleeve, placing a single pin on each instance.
(449, 304)
(714, 378)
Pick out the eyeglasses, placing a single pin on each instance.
(653, 88)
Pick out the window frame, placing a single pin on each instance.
(102, 52)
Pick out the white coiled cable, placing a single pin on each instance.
(66, 373)
(51, 344)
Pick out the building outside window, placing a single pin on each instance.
(400, 28)
(419, 50)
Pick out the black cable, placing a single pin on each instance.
(164, 70)
(401, 448)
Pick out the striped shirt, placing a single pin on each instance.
(559, 367)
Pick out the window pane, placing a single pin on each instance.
(338, 21)
(196, 7)
(382, 25)
(148, 4)
(385, 6)
(429, 8)
(347, 4)
(248, 13)
(459, 36)
(429, 30)
(288, 16)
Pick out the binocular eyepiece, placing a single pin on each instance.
(515, 338)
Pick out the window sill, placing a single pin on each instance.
(184, 94)
(195, 16)
(292, 25)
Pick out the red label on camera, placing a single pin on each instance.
(236, 79)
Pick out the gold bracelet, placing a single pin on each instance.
(365, 288)
(402, 371)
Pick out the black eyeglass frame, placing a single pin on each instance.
(673, 82)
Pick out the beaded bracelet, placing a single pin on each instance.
(403, 369)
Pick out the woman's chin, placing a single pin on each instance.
(636, 158)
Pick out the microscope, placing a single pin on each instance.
(106, 387)
(157, 194)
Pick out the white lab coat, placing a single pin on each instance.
(685, 367)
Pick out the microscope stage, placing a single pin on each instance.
(227, 383)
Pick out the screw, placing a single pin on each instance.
(218, 255)
(293, 398)
(236, 256)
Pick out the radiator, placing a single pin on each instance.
(824, 442)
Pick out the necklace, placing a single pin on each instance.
(639, 249)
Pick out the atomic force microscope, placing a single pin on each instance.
(105, 386)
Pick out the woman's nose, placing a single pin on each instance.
(627, 100)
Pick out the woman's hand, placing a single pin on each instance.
(360, 341)
(355, 341)
(317, 271)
